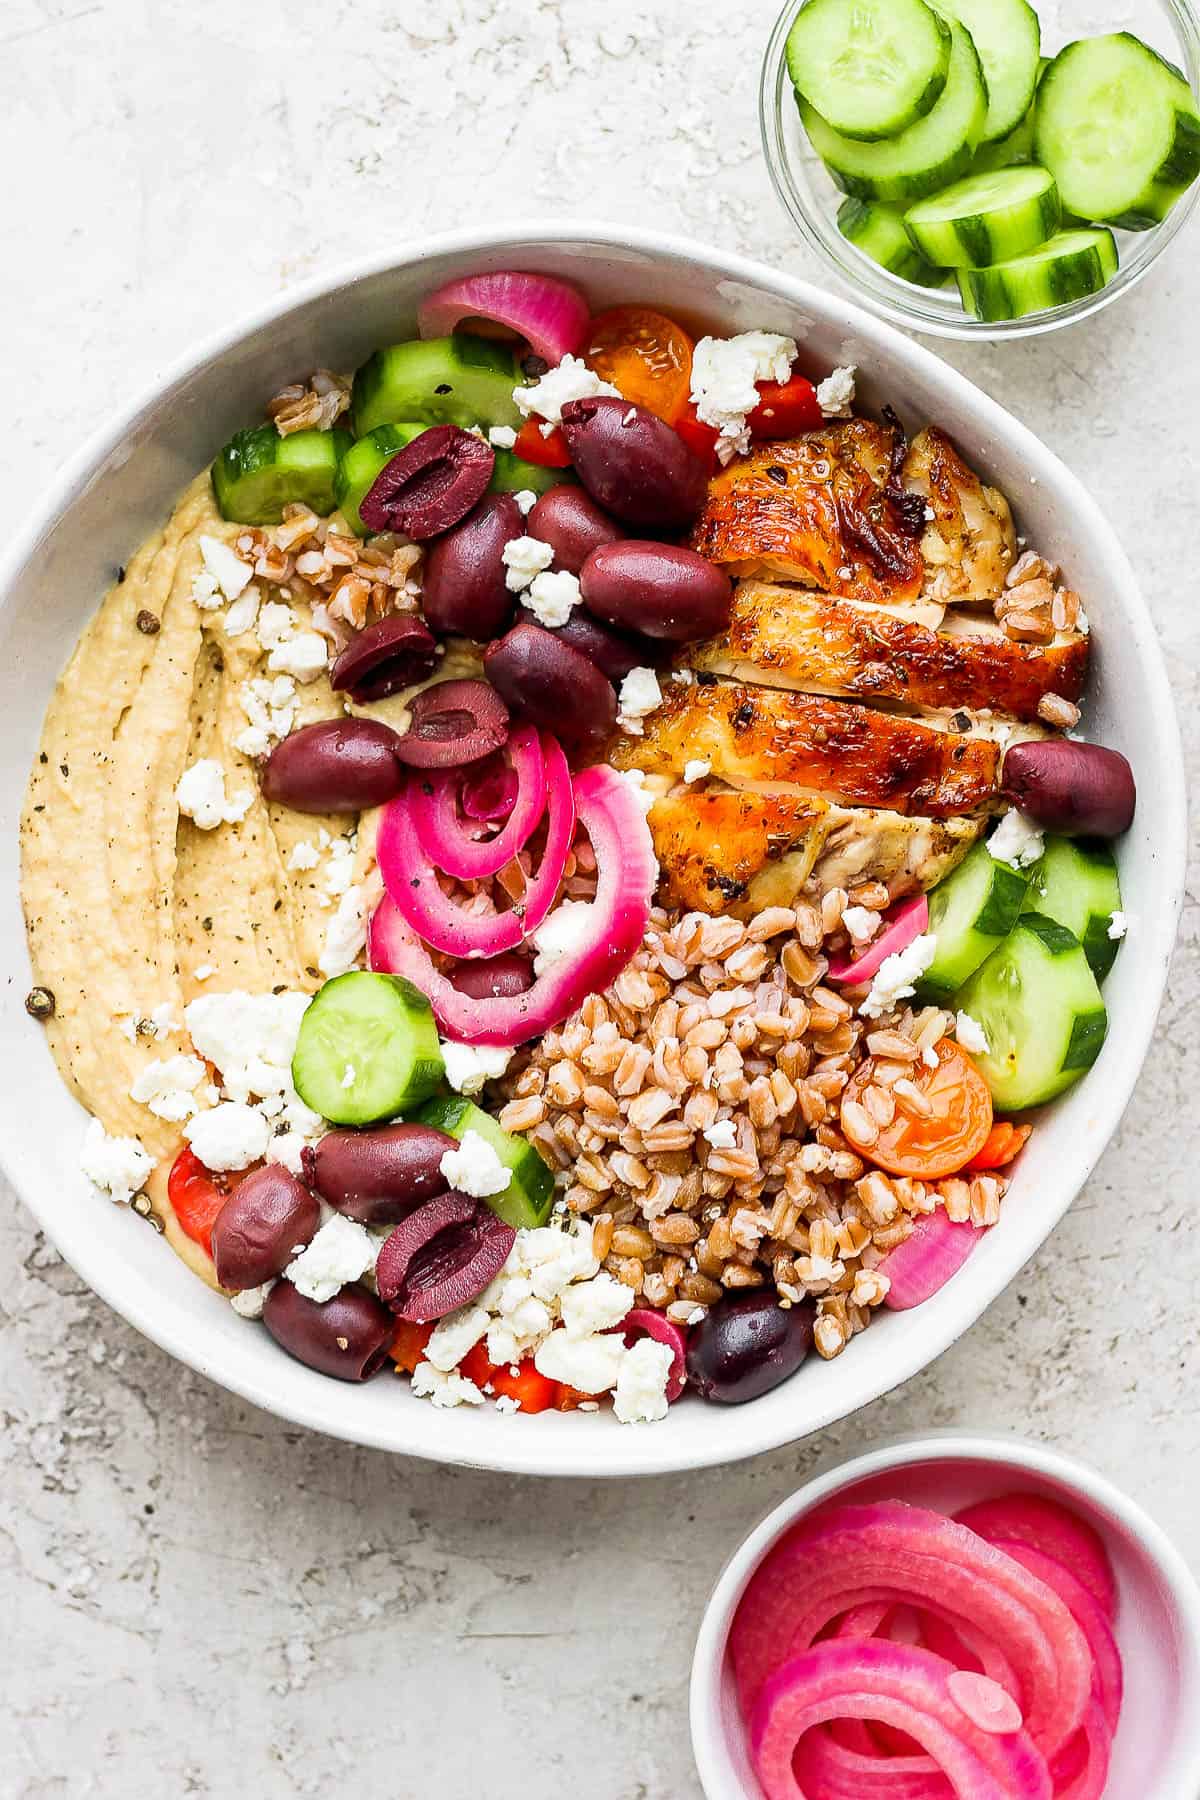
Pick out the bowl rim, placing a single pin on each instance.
(945, 1445)
(622, 1452)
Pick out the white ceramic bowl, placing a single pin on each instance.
(1156, 1752)
(123, 485)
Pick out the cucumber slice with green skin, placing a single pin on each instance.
(1017, 147)
(1041, 1012)
(1069, 267)
(986, 219)
(258, 473)
(362, 465)
(928, 155)
(870, 68)
(878, 231)
(512, 473)
(1076, 883)
(976, 906)
(1119, 130)
(527, 1199)
(459, 380)
(1008, 37)
(368, 1049)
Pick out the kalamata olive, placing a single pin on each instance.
(495, 978)
(462, 583)
(429, 485)
(452, 723)
(634, 465)
(337, 765)
(266, 1221)
(546, 680)
(613, 652)
(747, 1345)
(394, 653)
(442, 1256)
(347, 1337)
(1076, 790)
(572, 524)
(378, 1176)
(661, 590)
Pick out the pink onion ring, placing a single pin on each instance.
(936, 1249)
(1080, 1770)
(1088, 1614)
(829, 1767)
(1055, 1531)
(908, 920)
(550, 314)
(489, 791)
(433, 805)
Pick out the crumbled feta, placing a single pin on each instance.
(562, 933)
(250, 1038)
(168, 1086)
(118, 1166)
(469, 1066)
(507, 1403)
(346, 934)
(898, 976)
(304, 856)
(341, 1251)
(276, 624)
(570, 380)
(429, 1383)
(861, 923)
(639, 694)
(1118, 925)
(200, 795)
(595, 1305)
(1017, 840)
(725, 377)
(230, 1135)
(161, 1021)
(454, 1335)
(303, 657)
(242, 614)
(270, 707)
(225, 568)
(526, 500)
(552, 596)
(474, 1168)
(721, 1134)
(970, 1034)
(249, 1303)
(591, 1364)
(523, 559)
(554, 1259)
(635, 779)
(835, 395)
(502, 437)
(641, 1391)
(696, 770)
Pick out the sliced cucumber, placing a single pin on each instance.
(986, 218)
(1119, 130)
(459, 380)
(878, 231)
(869, 67)
(977, 904)
(362, 465)
(1076, 883)
(367, 1050)
(511, 473)
(258, 473)
(1008, 38)
(1017, 147)
(1070, 266)
(925, 157)
(1041, 1012)
(527, 1199)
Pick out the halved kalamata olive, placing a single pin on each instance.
(429, 485)
(379, 1176)
(747, 1345)
(613, 652)
(1076, 790)
(453, 722)
(463, 587)
(572, 524)
(661, 590)
(266, 1221)
(633, 464)
(395, 653)
(495, 978)
(337, 765)
(442, 1257)
(546, 680)
(347, 1337)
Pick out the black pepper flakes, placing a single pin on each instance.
(40, 1003)
(206, 924)
(148, 623)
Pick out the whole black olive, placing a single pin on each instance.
(747, 1345)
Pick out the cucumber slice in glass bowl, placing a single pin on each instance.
(878, 231)
(1072, 265)
(1008, 37)
(986, 218)
(869, 67)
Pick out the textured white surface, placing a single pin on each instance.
(204, 1600)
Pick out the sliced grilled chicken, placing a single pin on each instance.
(905, 853)
(818, 510)
(770, 739)
(790, 637)
(969, 545)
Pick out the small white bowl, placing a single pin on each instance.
(1156, 1751)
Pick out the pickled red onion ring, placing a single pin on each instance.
(908, 920)
(1051, 1528)
(1080, 1770)
(1108, 1681)
(936, 1249)
(829, 1767)
(434, 808)
(488, 792)
(549, 313)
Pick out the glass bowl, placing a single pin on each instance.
(811, 198)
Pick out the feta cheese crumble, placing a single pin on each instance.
(970, 1034)
(231, 1135)
(696, 770)
(469, 1066)
(346, 934)
(523, 559)
(595, 1305)
(570, 380)
(591, 1364)
(200, 796)
(1017, 840)
(249, 1303)
(639, 694)
(898, 976)
(474, 1168)
(270, 708)
(168, 1087)
(227, 574)
(502, 437)
(118, 1166)
(454, 1335)
(640, 1396)
(861, 923)
(552, 595)
(1118, 925)
(242, 614)
(429, 1383)
(303, 657)
(725, 374)
(341, 1251)
(835, 395)
(526, 500)
(561, 933)
(304, 856)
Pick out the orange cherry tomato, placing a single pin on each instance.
(547, 450)
(785, 408)
(408, 1345)
(197, 1196)
(701, 439)
(646, 356)
(955, 1130)
(476, 1366)
(532, 1390)
(1003, 1143)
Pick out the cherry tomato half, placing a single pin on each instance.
(547, 449)
(533, 1391)
(785, 408)
(701, 439)
(646, 356)
(928, 1147)
(197, 1196)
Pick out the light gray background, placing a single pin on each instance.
(198, 1598)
